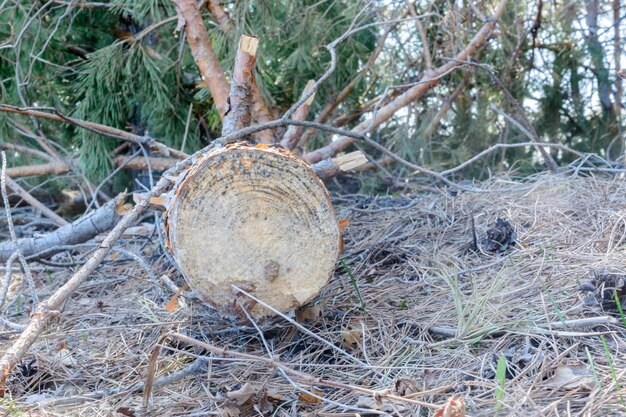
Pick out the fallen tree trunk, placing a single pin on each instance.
(256, 217)
(82, 230)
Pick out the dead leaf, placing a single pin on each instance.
(311, 399)
(125, 411)
(566, 377)
(365, 401)
(351, 337)
(273, 394)
(115, 255)
(172, 304)
(243, 394)
(406, 386)
(454, 407)
(64, 357)
(343, 223)
(309, 312)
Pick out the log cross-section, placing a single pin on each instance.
(256, 217)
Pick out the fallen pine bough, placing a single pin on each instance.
(82, 230)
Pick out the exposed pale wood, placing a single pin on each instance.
(239, 114)
(325, 169)
(351, 161)
(210, 67)
(255, 217)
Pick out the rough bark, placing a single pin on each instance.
(221, 17)
(429, 80)
(203, 54)
(294, 133)
(82, 230)
(55, 168)
(211, 69)
(331, 167)
(239, 114)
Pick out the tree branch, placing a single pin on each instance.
(203, 55)
(240, 99)
(293, 134)
(53, 114)
(429, 80)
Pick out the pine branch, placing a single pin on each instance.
(428, 81)
(108, 131)
(240, 99)
(203, 54)
(292, 136)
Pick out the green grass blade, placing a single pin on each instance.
(354, 283)
(500, 380)
(619, 306)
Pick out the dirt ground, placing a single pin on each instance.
(422, 312)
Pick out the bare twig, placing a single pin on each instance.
(428, 81)
(33, 202)
(271, 362)
(327, 111)
(20, 255)
(292, 136)
(53, 114)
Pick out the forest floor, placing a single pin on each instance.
(415, 310)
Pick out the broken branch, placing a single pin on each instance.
(239, 113)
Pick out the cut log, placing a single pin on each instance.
(256, 217)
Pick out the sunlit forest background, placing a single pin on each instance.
(124, 64)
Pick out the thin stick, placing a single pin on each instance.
(32, 201)
(552, 166)
(20, 256)
(292, 136)
(53, 114)
(305, 330)
(273, 363)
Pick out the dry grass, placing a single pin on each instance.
(437, 318)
